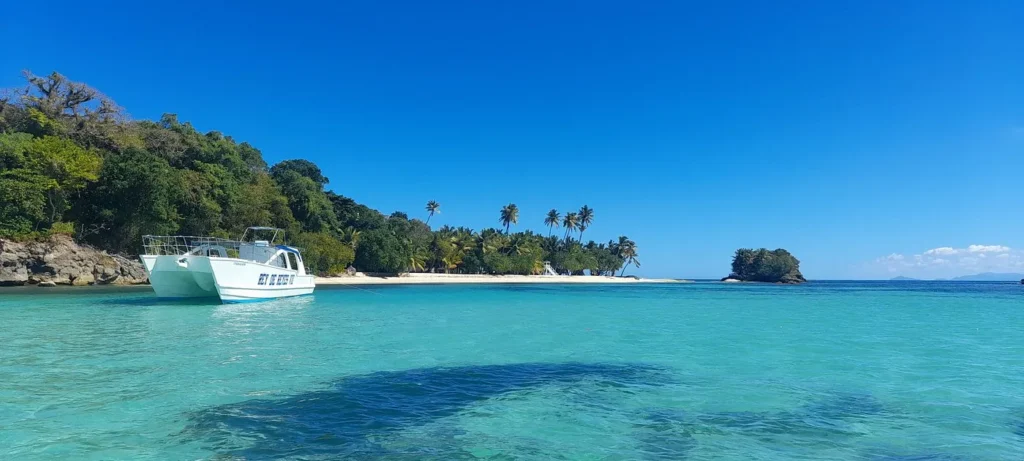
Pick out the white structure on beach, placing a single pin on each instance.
(248, 269)
(548, 270)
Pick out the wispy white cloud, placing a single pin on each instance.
(943, 262)
(943, 251)
(988, 249)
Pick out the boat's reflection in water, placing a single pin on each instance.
(253, 317)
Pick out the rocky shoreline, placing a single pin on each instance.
(60, 261)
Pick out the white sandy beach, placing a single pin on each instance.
(422, 278)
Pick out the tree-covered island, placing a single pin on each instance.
(764, 265)
(73, 163)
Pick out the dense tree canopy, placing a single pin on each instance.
(380, 250)
(766, 266)
(72, 161)
(324, 254)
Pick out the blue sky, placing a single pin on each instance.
(849, 133)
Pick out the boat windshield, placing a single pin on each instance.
(271, 235)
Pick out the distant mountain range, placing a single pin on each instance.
(991, 277)
(982, 277)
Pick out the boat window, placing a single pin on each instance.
(294, 262)
(214, 253)
(281, 261)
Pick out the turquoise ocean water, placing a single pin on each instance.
(827, 370)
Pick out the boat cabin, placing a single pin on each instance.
(254, 246)
(266, 252)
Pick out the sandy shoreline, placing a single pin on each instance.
(420, 278)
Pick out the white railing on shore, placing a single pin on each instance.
(185, 244)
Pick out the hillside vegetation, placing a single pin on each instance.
(763, 265)
(72, 162)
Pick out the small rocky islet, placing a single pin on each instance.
(763, 265)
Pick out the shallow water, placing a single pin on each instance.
(828, 370)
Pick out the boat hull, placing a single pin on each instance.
(228, 279)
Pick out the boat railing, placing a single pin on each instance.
(185, 244)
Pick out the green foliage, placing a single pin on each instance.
(68, 155)
(39, 175)
(380, 250)
(303, 168)
(308, 202)
(42, 124)
(586, 218)
(570, 223)
(509, 215)
(12, 150)
(417, 259)
(69, 166)
(607, 258)
(350, 236)
(22, 201)
(627, 251)
(323, 254)
(197, 198)
(498, 263)
(766, 266)
(415, 233)
(62, 228)
(552, 220)
(450, 247)
(355, 215)
(260, 203)
(432, 208)
(133, 196)
(573, 260)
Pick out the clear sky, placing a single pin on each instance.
(858, 135)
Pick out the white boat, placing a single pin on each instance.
(248, 269)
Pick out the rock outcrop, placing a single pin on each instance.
(792, 278)
(60, 261)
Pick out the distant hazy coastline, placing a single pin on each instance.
(426, 278)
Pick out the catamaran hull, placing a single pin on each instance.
(228, 279)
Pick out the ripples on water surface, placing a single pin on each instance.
(829, 370)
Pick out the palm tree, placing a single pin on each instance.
(518, 244)
(432, 207)
(569, 223)
(627, 251)
(509, 215)
(453, 247)
(551, 244)
(418, 259)
(350, 236)
(492, 240)
(553, 220)
(586, 216)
